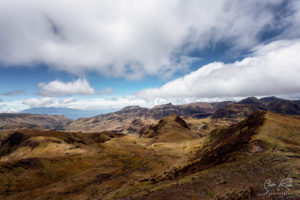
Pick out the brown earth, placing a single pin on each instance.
(229, 163)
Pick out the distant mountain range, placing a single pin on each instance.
(134, 119)
(247, 106)
(169, 152)
(168, 160)
(67, 112)
(16, 121)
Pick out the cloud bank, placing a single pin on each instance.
(59, 89)
(131, 38)
(12, 93)
(48, 102)
(272, 69)
(106, 91)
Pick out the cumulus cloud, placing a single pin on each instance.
(42, 102)
(10, 110)
(58, 88)
(12, 93)
(110, 103)
(48, 102)
(67, 101)
(128, 38)
(272, 69)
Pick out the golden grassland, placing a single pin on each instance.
(79, 166)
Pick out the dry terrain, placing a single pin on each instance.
(168, 160)
(197, 151)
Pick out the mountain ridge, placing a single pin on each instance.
(67, 112)
(122, 120)
(170, 160)
(13, 121)
(133, 119)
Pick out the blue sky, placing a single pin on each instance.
(106, 55)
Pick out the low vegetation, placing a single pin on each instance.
(176, 158)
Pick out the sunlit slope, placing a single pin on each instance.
(234, 163)
(169, 129)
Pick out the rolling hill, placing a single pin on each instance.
(169, 129)
(168, 161)
(235, 163)
(125, 119)
(15, 121)
(133, 119)
(223, 151)
(250, 105)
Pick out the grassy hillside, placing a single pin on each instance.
(170, 160)
(169, 129)
(234, 163)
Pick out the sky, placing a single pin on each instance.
(105, 55)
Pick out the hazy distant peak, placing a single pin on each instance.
(270, 99)
(131, 108)
(251, 100)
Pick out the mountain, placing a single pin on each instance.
(270, 99)
(253, 100)
(134, 119)
(63, 142)
(222, 151)
(285, 107)
(168, 129)
(250, 105)
(124, 120)
(168, 161)
(15, 121)
(67, 112)
(235, 163)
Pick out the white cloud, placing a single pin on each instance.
(129, 38)
(67, 100)
(48, 102)
(108, 103)
(11, 106)
(106, 91)
(12, 93)
(57, 88)
(10, 110)
(42, 102)
(273, 69)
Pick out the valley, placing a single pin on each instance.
(195, 151)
